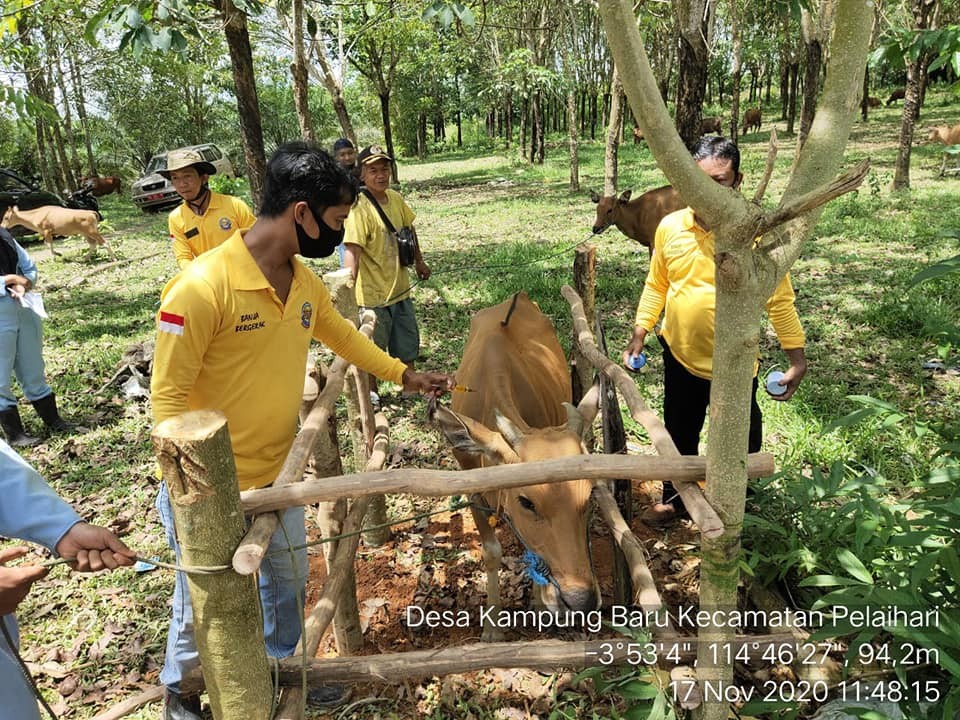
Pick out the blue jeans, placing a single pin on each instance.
(283, 580)
(19, 702)
(21, 353)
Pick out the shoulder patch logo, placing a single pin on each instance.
(306, 314)
(225, 223)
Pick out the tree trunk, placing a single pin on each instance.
(335, 90)
(574, 143)
(508, 118)
(793, 70)
(77, 83)
(694, 20)
(736, 70)
(299, 72)
(245, 88)
(614, 131)
(384, 96)
(197, 463)
(922, 10)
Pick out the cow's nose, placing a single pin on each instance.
(584, 599)
(597, 229)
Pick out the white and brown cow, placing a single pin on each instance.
(518, 410)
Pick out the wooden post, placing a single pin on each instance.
(585, 281)
(197, 463)
(615, 443)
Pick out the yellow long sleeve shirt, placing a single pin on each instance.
(681, 285)
(193, 234)
(226, 342)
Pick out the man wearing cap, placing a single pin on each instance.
(206, 218)
(372, 254)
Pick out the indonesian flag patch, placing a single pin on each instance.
(171, 323)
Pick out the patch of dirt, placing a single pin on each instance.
(435, 564)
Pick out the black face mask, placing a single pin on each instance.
(321, 246)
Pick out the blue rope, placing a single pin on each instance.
(537, 568)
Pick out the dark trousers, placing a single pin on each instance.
(685, 401)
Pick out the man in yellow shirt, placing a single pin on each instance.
(680, 284)
(205, 219)
(233, 333)
(373, 256)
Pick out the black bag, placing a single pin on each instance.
(405, 237)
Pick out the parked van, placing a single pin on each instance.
(153, 191)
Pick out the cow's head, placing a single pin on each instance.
(550, 518)
(607, 208)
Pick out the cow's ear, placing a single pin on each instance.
(594, 198)
(589, 405)
(468, 436)
(625, 195)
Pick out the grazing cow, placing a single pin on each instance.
(751, 118)
(518, 410)
(945, 135)
(710, 125)
(873, 102)
(101, 185)
(897, 94)
(637, 219)
(51, 221)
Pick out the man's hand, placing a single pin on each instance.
(428, 383)
(15, 582)
(635, 347)
(423, 270)
(94, 548)
(794, 374)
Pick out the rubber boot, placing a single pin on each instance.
(46, 408)
(13, 429)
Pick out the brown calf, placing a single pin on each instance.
(637, 134)
(101, 185)
(50, 221)
(945, 135)
(710, 125)
(637, 219)
(897, 94)
(751, 118)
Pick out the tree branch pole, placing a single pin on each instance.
(443, 483)
(249, 554)
(339, 569)
(772, 150)
(700, 511)
(197, 463)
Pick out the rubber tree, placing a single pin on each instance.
(747, 273)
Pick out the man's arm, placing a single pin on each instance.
(182, 252)
(351, 258)
(423, 270)
(782, 309)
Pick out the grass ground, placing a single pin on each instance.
(491, 225)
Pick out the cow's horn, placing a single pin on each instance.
(511, 433)
(574, 419)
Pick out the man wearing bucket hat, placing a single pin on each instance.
(205, 219)
(375, 231)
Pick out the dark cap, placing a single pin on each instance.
(342, 144)
(372, 153)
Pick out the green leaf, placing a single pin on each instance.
(944, 267)
(639, 691)
(827, 581)
(851, 563)
(311, 25)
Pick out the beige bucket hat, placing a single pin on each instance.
(179, 159)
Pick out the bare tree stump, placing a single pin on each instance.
(197, 463)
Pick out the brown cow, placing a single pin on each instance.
(519, 411)
(637, 134)
(710, 125)
(100, 186)
(751, 118)
(50, 221)
(897, 94)
(945, 135)
(637, 219)
(873, 102)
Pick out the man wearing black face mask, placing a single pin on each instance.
(233, 333)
